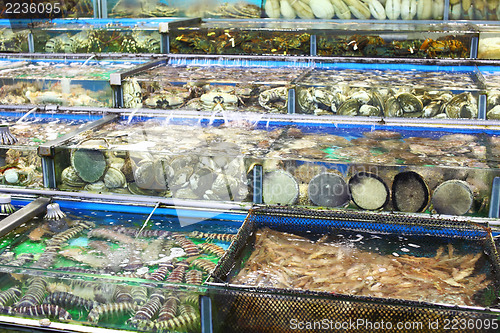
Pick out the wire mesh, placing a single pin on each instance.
(252, 309)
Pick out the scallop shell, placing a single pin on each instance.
(114, 178)
(71, 178)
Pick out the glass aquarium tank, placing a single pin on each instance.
(22, 134)
(59, 82)
(13, 40)
(178, 158)
(114, 266)
(259, 37)
(387, 268)
(99, 36)
(481, 10)
(355, 9)
(213, 86)
(491, 77)
(395, 90)
(395, 40)
(234, 158)
(193, 8)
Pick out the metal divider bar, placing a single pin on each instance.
(495, 199)
(23, 215)
(206, 314)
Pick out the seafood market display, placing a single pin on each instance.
(356, 9)
(100, 303)
(390, 93)
(384, 267)
(492, 81)
(474, 10)
(82, 256)
(196, 8)
(20, 164)
(67, 83)
(92, 36)
(242, 37)
(13, 40)
(374, 45)
(213, 159)
(211, 88)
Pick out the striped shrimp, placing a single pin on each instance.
(191, 299)
(35, 293)
(54, 244)
(204, 264)
(122, 294)
(111, 235)
(177, 275)
(185, 309)
(194, 276)
(150, 309)
(68, 300)
(161, 272)
(22, 259)
(44, 310)
(222, 237)
(147, 233)
(212, 249)
(187, 245)
(186, 321)
(9, 296)
(109, 309)
(139, 294)
(169, 308)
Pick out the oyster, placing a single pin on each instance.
(392, 108)
(201, 180)
(461, 106)
(349, 108)
(71, 178)
(149, 175)
(494, 113)
(114, 178)
(132, 94)
(369, 110)
(410, 105)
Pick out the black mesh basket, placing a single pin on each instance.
(241, 308)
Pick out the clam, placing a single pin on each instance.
(220, 186)
(96, 187)
(369, 110)
(146, 175)
(392, 108)
(461, 106)
(114, 178)
(349, 108)
(432, 109)
(494, 113)
(493, 99)
(71, 178)
(410, 105)
(362, 96)
(201, 180)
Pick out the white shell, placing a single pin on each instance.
(408, 9)
(11, 176)
(287, 10)
(424, 9)
(322, 9)
(272, 8)
(393, 9)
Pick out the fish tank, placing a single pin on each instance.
(467, 10)
(395, 40)
(397, 90)
(99, 36)
(113, 266)
(381, 266)
(170, 157)
(22, 134)
(213, 86)
(235, 158)
(13, 40)
(492, 82)
(59, 81)
(246, 9)
(489, 41)
(355, 10)
(250, 37)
